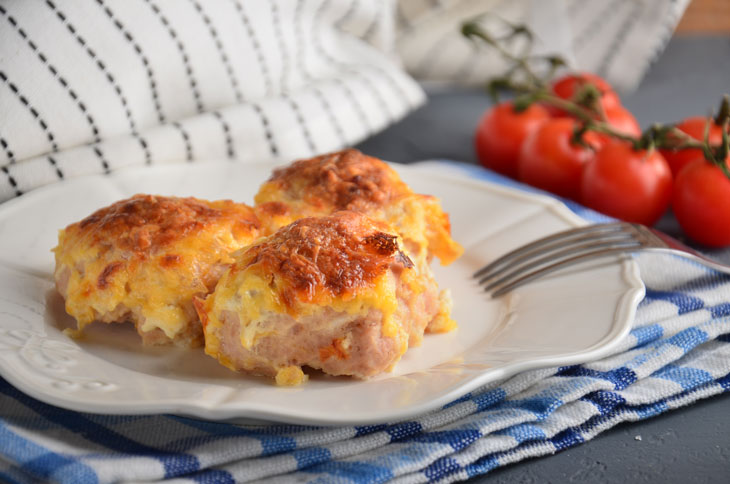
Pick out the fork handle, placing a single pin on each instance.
(689, 252)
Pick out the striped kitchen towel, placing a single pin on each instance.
(677, 352)
(616, 39)
(92, 87)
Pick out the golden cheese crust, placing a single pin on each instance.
(350, 180)
(144, 258)
(324, 257)
(334, 292)
(345, 180)
(147, 224)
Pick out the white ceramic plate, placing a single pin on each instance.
(565, 319)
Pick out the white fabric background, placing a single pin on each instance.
(617, 39)
(87, 87)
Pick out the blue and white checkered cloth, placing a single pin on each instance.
(677, 352)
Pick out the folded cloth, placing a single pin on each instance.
(616, 39)
(92, 87)
(677, 352)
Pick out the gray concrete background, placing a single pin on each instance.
(689, 445)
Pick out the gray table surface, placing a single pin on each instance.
(691, 444)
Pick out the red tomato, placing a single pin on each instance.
(550, 161)
(635, 186)
(695, 127)
(701, 203)
(568, 86)
(620, 119)
(500, 134)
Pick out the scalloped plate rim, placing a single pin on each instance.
(624, 314)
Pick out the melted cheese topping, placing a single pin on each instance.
(442, 322)
(290, 376)
(350, 180)
(144, 259)
(346, 266)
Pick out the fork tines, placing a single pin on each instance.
(555, 252)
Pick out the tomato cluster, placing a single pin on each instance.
(539, 146)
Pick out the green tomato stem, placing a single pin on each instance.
(587, 117)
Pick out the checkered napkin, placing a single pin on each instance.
(677, 352)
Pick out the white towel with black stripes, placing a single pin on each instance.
(87, 87)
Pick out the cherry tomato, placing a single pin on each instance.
(622, 121)
(500, 134)
(568, 86)
(549, 160)
(701, 203)
(617, 116)
(631, 185)
(695, 127)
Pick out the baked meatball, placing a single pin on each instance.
(350, 180)
(144, 258)
(336, 293)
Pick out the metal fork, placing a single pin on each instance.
(569, 247)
